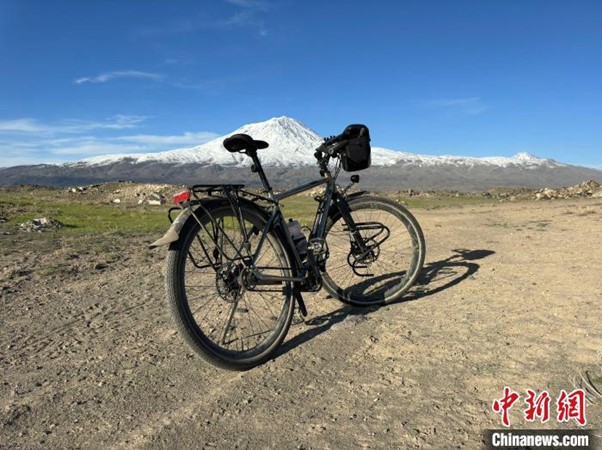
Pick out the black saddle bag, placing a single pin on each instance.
(356, 155)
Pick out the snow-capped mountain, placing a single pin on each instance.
(292, 144)
(386, 157)
(289, 161)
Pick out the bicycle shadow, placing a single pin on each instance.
(444, 274)
(435, 277)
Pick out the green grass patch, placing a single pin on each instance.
(303, 208)
(300, 207)
(80, 216)
(83, 217)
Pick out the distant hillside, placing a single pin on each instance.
(289, 160)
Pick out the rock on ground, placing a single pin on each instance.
(41, 224)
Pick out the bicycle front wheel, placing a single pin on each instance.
(385, 264)
(223, 316)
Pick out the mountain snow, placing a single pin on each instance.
(293, 144)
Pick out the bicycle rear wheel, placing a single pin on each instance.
(222, 316)
(389, 262)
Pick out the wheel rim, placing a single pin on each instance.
(227, 316)
(386, 269)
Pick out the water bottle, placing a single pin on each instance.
(299, 239)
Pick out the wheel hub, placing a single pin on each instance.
(228, 283)
(360, 261)
(356, 256)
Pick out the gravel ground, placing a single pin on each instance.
(510, 296)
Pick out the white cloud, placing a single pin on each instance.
(187, 138)
(33, 127)
(21, 126)
(29, 141)
(246, 18)
(249, 16)
(206, 86)
(94, 147)
(108, 76)
(466, 105)
(122, 121)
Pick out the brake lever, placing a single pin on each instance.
(336, 147)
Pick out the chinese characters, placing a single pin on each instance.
(568, 406)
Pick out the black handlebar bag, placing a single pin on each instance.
(356, 154)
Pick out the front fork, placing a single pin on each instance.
(317, 247)
(343, 207)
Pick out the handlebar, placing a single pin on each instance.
(333, 144)
(334, 148)
(334, 139)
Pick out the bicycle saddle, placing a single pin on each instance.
(240, 142)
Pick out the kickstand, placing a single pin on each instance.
(301, 303)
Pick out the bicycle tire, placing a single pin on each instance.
(385, 273)
(266, 317)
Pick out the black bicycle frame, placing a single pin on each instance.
(329, 197)
(277, 217)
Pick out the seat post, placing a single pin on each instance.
(256, 167)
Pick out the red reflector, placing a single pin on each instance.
(181, 197)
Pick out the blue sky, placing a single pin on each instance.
(480, 78)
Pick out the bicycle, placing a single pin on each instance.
(235, 267)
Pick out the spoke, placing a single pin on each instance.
(251, 308)
(267, 303)
(220, 301)
(247, 322)
(252, 328)
(210, 299)
(388, 236)
(228, 322)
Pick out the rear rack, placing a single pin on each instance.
(209, 189)
(227, 189)
(230, 191)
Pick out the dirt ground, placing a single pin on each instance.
(510, 296)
